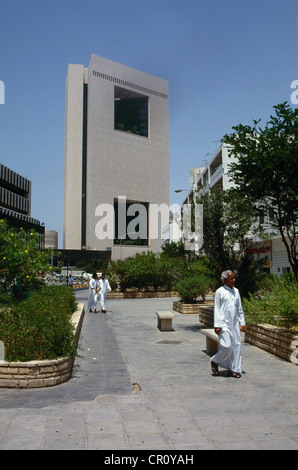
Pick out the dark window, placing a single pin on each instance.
(131, 223)
(130, 112)
(84, 165)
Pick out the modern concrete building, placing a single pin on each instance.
(116, 158)
(15, 203)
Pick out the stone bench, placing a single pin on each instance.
(164, 320)
(212, 341)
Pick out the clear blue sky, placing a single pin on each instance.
(227, 61)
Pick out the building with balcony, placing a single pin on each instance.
(215, 175)
(116, 158)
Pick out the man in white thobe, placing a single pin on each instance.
(105, 288)
(94, 289)
(228, 314)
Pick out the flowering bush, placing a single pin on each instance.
(20, 260)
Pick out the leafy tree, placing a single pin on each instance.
(227, 222)
(174, 250)
(20, 260)
(265, 171)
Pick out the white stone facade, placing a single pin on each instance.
(118, 163)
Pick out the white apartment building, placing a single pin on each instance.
(216, 175)
(116, 158)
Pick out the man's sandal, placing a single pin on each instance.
(214, 368)
(236, 375)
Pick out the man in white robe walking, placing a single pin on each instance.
(228, 314)
(94, 289)
(105, 288)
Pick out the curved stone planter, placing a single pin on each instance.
(277, 341)
(37, 374)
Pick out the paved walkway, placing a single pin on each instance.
(135, 387)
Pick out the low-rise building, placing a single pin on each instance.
(216, 174)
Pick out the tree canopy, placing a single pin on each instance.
(265, 171)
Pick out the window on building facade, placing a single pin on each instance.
(131, 223)
(130, 112)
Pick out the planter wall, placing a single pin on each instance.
(196, 308)
(207, 315)
(185, 308)
(272, 339)
(37, 374)
(140, 295)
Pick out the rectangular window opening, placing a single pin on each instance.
(131, 223)
(130, 112)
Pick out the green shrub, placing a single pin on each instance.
(193, 286)
(39, 328)
(276, 303)
(20, 261)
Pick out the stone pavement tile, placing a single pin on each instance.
(138, 415)
(194, 447)
(101, 413)
(29, 436)
(176, 420)
(139, 440)
(268, 431)
(105, 428)
(247, 417)
(216, 421)
(268, 405)
(6, 416)
(27, 417)
(238, 445)
(226, 435)
(284, 418)
(3, 430)
(136, 426)
(277, 444)
(21, 443)
(106, 441)
(68, 440)
(187, 437)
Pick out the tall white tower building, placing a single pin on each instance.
(116, 158)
